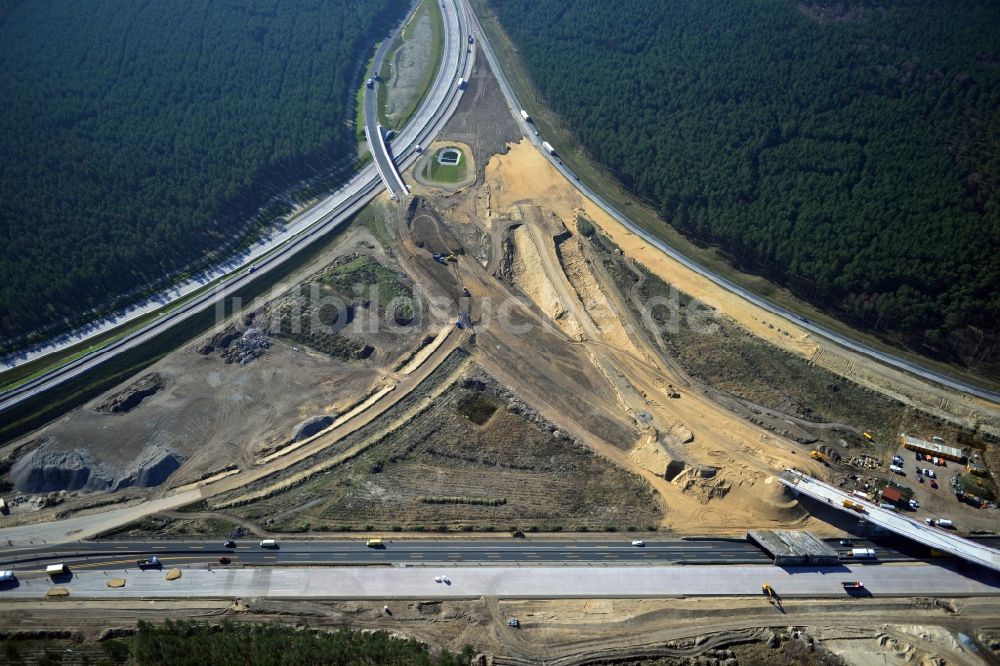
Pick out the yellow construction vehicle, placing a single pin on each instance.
(868, 436)
(854, 506)
(818, 455)
(768, 590)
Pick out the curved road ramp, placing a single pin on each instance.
(892, 521)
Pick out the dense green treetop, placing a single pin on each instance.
(137, 137)
(847, 149)
(188, 643)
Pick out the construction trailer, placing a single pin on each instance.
(935, 449)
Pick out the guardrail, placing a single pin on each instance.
(392, 165)
(893, 521)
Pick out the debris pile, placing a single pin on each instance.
(863, 462)
(248, 347)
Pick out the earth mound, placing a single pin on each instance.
(48, 470)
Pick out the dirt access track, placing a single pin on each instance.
(542, 316)
(524, 174)
(574, 632)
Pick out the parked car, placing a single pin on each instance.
(929, 473)
(933, 483)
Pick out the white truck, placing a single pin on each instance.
(462, 84)
(524, 114)
(940, 522)
(548, 148)
(56, 569)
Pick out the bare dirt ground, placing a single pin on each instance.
(482, 120)
(543, 309)
(526, 174)
(476, 459)
(815, 407)
(210, 408)
(733, 632)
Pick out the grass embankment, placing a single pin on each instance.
(604, 183)
(427, 8)
(448, 173)
(41, 409)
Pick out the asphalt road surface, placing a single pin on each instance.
(117, 555)
(378, 147)
(464, 582)
(883, 357)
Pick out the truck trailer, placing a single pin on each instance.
(524, 114)
(548, 148)
(862, 553)
(854, 506)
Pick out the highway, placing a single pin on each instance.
(88, 555)
(842, 340)
(333, 211)
(116, 554)
(507, 582)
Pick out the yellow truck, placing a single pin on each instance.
(854, 506)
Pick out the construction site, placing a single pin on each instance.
(498, 355)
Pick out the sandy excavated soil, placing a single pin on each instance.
(524, 174)
(711, 468)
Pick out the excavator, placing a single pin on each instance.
(815, 454)
(772, 596)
